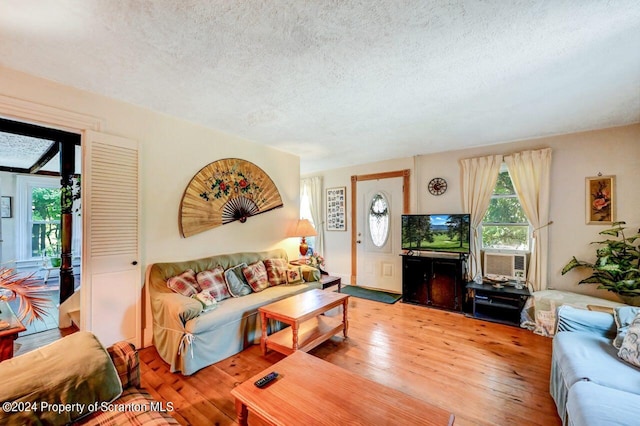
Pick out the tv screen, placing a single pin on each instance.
(436, 232)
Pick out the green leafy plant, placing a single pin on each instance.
(617, 263)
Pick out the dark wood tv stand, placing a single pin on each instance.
(434, 280)
(503, 305)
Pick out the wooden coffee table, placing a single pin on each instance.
(303, 313)
(310, 391)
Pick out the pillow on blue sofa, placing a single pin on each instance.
(623, 315)
(256, 275)
(236, 282)
(294, 275)
(185, 284)
(276, 271)
(213, 281)
(208, 301)
(630, 349)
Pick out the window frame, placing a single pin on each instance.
(24, 220)
(504, 168)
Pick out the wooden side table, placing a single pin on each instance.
(10, 333)
(328, 281)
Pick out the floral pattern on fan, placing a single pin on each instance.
(225, 191)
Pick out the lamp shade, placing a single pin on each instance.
(303, 228)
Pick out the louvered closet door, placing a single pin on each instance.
(112, 288)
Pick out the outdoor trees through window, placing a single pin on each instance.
(45, 222)
(505, 225)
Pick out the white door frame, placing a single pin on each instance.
(52, 117)
(405, 175)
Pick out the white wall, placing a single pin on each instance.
(614, 151)
(172, 151)
(338, 243)
(8, 189)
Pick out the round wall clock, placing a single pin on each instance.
(437, 186)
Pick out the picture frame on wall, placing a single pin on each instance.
(336, 207)
(5, 207)
(600, 200)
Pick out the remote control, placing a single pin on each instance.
(266, 379)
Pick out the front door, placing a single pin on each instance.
(379, 211)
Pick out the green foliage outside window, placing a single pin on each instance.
(504, 224)
(45, 219)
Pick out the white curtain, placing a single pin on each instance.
(479, 177)
(530, 173)
(313, 188)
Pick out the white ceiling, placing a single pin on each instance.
(345, 82)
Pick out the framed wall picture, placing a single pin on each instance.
(600, 198)
(5, 207)
(336, 203)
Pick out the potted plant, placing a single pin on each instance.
(54, 257)
(33, 301)
(617, 264)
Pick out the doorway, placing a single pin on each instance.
(38, 166)
(375, 260)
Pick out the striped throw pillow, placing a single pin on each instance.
(256, 275)
(213, 281)
(184, 284)
(276, 271)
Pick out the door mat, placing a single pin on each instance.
(376, 295)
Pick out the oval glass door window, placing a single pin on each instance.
(379, 219)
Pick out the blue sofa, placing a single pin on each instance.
(589, 383)
(189, 339)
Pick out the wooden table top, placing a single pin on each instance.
(304, 305)
(311, 391)
(6, 314)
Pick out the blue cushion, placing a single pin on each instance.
(591, 404)
(586, 356)
(236, 282)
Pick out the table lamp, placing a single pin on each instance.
(303, 229)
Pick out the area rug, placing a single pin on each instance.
(376, 295)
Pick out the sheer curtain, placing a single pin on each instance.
(530, 173)
(312, 187)
(479, 177)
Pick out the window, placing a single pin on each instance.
(38, 228)
(305, 213)
(379, 220)
(505, 226)
(45, 222)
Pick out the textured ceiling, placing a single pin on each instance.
(345, 82)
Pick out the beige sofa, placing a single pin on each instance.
(75, 380)
(189, 339)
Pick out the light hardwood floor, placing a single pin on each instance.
(484, 373)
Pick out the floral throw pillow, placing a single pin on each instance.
(276, 271)
(630, 348)
(623, 315)
(294, 275)
(213, 281)
(256, 275)
(207, 299)
(185, 283)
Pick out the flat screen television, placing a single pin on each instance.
(436, 232)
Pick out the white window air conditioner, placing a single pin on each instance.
(508, 265)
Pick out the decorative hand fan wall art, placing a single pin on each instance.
(225, 191)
